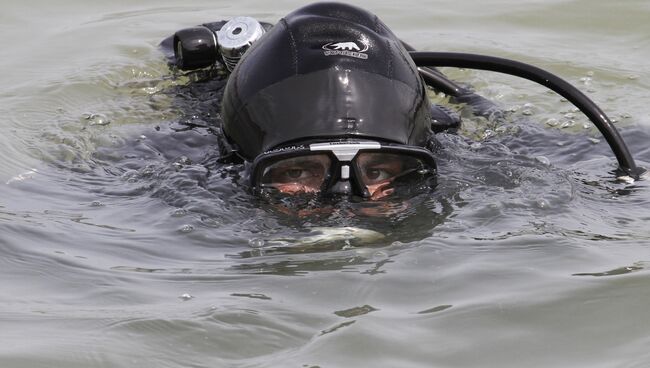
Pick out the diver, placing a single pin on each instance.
(329, 102)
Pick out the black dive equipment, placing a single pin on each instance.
(333, 72)
(338, 73)
(581, 101)
(203, 46)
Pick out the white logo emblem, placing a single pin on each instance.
(349, 48)
(345, 46)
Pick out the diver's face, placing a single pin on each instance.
(308, 174)
(375, 179)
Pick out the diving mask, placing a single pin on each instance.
(368, 169)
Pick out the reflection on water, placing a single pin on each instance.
(124, 241)
(618, 271)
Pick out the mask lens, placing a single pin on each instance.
(379, 171)
(301, 174)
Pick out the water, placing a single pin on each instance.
(124, 244)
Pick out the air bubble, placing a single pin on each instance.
(147, 171)
(96, 204)
(543, 160)
(256, 243)
(182, 161)
(585, 80)
(568, 124)
(130, 176)
(543, 203)
(96, 119)
(552, 122)
(185, 297)
(179, 212)
(187, 228)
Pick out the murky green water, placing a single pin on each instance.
(124, 244)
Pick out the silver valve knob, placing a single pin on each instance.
(235, 37)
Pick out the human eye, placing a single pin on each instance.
(296, 171)
(289, 174)
(377, 174)
(381, 171)
(298, 174)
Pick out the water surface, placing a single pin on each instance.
(124, 243)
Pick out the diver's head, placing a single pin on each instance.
(329, 100)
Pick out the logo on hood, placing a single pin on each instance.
(355, 49)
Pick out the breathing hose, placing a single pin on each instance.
(535, 74)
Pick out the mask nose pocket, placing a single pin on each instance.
(341, 187)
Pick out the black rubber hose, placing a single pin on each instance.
(436, 79)
(441, 83)
(535, 74)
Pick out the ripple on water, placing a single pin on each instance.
(135, 241)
